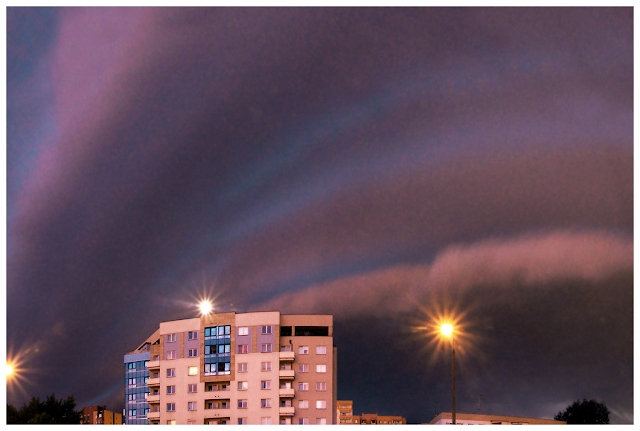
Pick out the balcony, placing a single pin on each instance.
(153, 364)
(287, 411)
(287, 356)
(153, 416)
(287, 393)
(153, 399)
(287, 374)
(153, 382)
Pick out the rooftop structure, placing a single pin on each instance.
(477, 419)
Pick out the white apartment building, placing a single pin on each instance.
(228, 368)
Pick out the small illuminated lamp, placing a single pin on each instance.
(9, 370)
(205, 307)
(446, 329)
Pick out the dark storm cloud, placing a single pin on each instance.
(272, 154)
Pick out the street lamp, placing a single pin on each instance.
(447, 331)
(205, 307)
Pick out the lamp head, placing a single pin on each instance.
(446, 329)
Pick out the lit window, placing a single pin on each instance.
(321, 368)
(191, 421)
(265, 421)
(321, 350)
(243, 386)
(193, 388)
(303, 404)
(172, 421)
(265, 366)
(171, 372)
(243, 330)
(321, 421)
(266, 329)
(267, 348)
(303, 386)
(303, 421)
(193, 405)
(265, 403)
(171, 390)
(243, 421)
(243, 348)
(193, 353)
(172, 354)
(193, 335)
(321, 404)
(242, 404)
(303, 368)
(171, 338)
(171, 407)
(193, 371)
(242, 368)
(303, 350)
(265, 384)
(321, 386)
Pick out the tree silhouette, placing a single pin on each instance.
(584, 412)
(51, 411)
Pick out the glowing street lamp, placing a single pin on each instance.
(9, 370)
(447, 331)
(205, 307)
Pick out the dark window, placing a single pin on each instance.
(285, 331)
(312, 331)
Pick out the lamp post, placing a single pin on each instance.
(447, 330)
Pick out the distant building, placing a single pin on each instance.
(345, 416)
(476, 419)
(228, 368)
(99, 415)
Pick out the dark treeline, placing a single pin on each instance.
(51, 411)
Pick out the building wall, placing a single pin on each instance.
(445, 418)
(305, 370)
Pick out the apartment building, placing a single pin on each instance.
(235, 368)
(99, 415)
(345, 416)
(445, 418)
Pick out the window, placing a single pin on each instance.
(265, 421)
(266, 330)
(171, 390)
(303, 421)
(171, 407)
(131, 365)
(171, 338)
(243, 348)
(191, 421)
(303, 350)
(285, 331)
(171, 372)
(242, 404)
(193, 353)
(243, 386)
(243, 330)
(172, 354)
(133, 413)
(303, 404)
(303, 386)
(243, 367)
(193, 388)
(131, 382)
(265, 384)
(321, 421)
(193, 335)
(193, 371)
(193, 405)
(303, 368)
(265, 366)
(171, 422)
(321, 350)
(321, 386)
(321, 404)
(285, 348)
(267, 348)
(243, 421)
(265, 403)
(321, 368)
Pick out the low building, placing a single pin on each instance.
(99, 415)
(444, 418)
(345, 416)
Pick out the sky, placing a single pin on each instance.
(388, 166)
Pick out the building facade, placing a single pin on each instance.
(228, 368)
(99, 415)
(345, 416)
(477, 419)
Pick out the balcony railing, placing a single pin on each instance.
(287, 411)
(153, 382)
(287, 393)
(287, 356)
(287, 374)
(153, 364)
(153, 416)
(151, 399)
